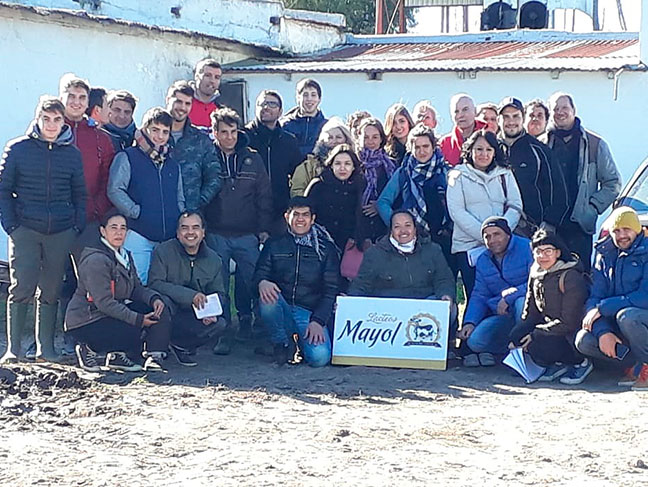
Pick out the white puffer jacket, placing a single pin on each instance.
(475, 195)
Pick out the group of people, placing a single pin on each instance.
(300, 209)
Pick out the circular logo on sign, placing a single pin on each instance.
(423, 329)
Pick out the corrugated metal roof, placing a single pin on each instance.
(578, 54)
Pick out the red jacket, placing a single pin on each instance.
(200, 112)
(451, 143)
(97, 152)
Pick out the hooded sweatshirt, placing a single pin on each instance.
(41, 184)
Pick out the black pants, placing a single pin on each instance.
(190, 333)
(112, 335)
(549, 349)
(578, 242)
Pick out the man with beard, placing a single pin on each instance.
(207, 79)
(591, 177)
(192, 150)
(277, 148)
(617, 309)
(544, 196)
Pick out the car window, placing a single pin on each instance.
(637, 196)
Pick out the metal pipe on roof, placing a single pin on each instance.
(617, 74)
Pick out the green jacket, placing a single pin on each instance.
(387, 273)
(180, 276)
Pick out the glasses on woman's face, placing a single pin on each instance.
(544, 251)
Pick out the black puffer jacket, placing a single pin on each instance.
(41, 184)
(280, 155)
(305, 278)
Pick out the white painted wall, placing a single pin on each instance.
(244, 20)
(36, 54)
(620, 122)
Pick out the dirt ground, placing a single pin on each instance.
(239, 420)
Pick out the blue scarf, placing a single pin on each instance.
(417, 175)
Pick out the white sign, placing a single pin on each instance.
(386, 332)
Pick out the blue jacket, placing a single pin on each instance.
(491, 279)
(305, 129)
(620, 280)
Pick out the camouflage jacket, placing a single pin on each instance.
(199, 165)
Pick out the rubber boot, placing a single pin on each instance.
(16, 316)
(45, 323)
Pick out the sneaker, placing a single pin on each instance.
(30, 354)
(245, 328)
(120, 361)
(153, 362)
(553, 372)
(630, 376)
(577, 373)
(294, 354)
(641, 384)
(471, 360)
(183, 356)
(486, 359)
(87, 358)
(222, 347)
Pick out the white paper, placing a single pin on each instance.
(524, 365)
(212, 307)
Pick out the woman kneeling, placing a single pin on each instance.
(553, 310)
(111, 311)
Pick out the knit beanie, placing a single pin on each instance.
(625, 217)
(496, 221)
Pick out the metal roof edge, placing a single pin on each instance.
(279, 69)
(521, 35)
(82, 15)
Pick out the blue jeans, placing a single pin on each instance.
(141, 249)
(633, 325)
(492, 333)
(282, 320)
(244, 251)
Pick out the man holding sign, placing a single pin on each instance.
(297, 276)
(188, 273)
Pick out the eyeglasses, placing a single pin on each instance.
(547, 251)
(268, 104)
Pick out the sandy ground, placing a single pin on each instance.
(239, 420)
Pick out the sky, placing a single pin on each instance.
(429, 19)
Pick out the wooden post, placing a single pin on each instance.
(402, 28)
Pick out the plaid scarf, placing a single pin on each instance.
(371, 161)
(417, 175)
(144, 143)
(315, 239)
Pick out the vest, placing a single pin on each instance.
(155, 189)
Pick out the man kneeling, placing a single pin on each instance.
(298, 276)
(617, 309)
(496, 303)
(186, 270)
